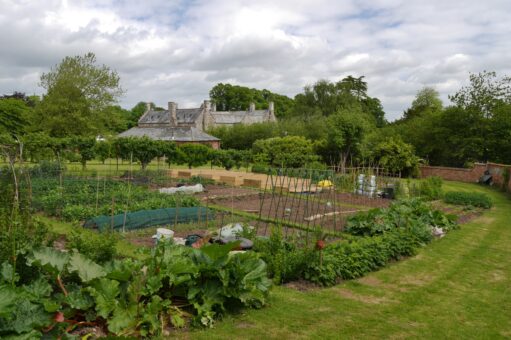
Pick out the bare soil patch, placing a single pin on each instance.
(301, 285)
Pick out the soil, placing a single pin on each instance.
(308, 210)
(468, 216)
(60, 242)
(301, 285)
(220, 191)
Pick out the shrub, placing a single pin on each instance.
(77, 212)
(475, 199)
(286, 152)
(412, 214)
(98, 247)
(47, 168)
(431, 188)
(285, 259)
(259, 168)
(397, 157)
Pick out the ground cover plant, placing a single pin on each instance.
(454, 288)
(76, 199)
(375, 238)
(67, 291)
(473, 199)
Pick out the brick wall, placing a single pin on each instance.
(467, 175)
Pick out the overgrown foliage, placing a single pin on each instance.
(99, 248)
(285, 258)
(413, 214)
(78, 93)
(69, 291)
(387, 235)
(396, 157)
(77, 199)
(285, 152)
(474, 199)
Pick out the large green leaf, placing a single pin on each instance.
(29, 316)
(151, 316)
(33, 334)
(8, 299)
(217, 251)
(39, 288)
(123, 320)
(121, 270)
(8, 273)
(49, 258)
(87, 269)
(79, 299)
(105, 293)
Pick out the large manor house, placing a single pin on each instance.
(189, 125)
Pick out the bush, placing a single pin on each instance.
(431, 188)
(259, 168)
(98, 247)
(474, 199)
(47, 168)
(77, 212)
(412, 214)
(285, 259)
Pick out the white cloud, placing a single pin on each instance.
(177, 50)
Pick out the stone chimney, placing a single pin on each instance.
(207, 105)
(252, 107)
(147, 107)
(271, 111)
(213, 106)
(173, 114)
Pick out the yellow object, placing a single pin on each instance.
(325, 183)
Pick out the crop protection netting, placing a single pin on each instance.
(149, 218)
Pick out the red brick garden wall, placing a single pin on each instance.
(467, 175)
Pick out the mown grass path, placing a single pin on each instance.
(458, 287)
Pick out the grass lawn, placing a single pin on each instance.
(457, 287)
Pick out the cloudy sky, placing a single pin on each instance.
(177, 50)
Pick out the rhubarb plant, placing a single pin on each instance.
(128, 297)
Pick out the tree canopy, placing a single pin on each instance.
(229, 97)
(78, 95)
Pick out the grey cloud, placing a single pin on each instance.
(177, 50)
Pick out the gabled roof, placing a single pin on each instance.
(178, 134)
(184, 116)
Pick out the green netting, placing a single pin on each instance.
(149, 218)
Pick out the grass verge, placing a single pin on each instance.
(457, 287)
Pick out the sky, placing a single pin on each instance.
(167, 50)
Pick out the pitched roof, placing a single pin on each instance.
(184, 116)
(178, 134)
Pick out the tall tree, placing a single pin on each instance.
(485, 95)
(427, 100)
(13, 116)
(78, 94)
(345, 137)
(326, 98)
(229, 97)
